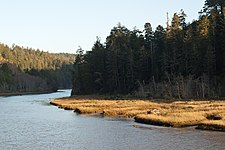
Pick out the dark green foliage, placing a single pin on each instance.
(183, 61)
(26, 69)
(5, 75)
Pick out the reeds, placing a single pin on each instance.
(208, 115)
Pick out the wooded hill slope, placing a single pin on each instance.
(28, 70)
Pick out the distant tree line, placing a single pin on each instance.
(183, 60)
(26, 69)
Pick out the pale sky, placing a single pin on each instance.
(63, 25)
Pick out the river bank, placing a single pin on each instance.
(205, 114)
(25, 93)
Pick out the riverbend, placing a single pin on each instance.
(29, 122)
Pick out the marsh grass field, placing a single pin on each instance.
(204, 114)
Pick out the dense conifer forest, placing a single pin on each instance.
(28, 70)
(182, 60)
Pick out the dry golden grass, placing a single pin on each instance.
(172, 119)
(206, 114)
(124, 108)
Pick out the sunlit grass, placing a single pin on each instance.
(204, 114)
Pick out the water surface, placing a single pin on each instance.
(29, 122)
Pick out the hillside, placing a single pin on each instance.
(28, 70)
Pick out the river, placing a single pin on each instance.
(29, 122)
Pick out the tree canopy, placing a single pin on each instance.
(25, 69)
(184, 60)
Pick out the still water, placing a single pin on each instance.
(29, 122)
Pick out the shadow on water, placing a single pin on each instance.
(45, 103)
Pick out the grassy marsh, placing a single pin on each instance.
(205, 114)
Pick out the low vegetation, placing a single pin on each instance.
(208, 115)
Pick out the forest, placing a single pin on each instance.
(181, 60)
(29, 70)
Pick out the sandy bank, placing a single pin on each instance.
(207, 115)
